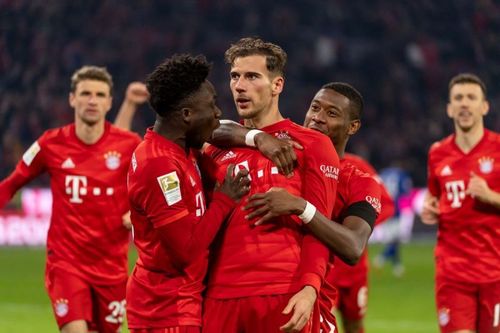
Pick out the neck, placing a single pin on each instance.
(171, 130)
(265, 118)
(89, 134)
(466, 140)
(340, 148)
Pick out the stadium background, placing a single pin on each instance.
(400, 55)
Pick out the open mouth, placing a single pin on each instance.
(317, 128)
(242, 102)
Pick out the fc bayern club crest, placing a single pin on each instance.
(444, 316)
(112, 159)
(486, 164)
(61, 307)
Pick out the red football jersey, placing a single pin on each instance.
(342, 274)
(275, 258)
(354, 186)
(88, 183)
(468, 246)
(164, 187)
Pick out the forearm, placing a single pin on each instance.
(493, 199)
(229, 134)
(10, 185)
(342, 241)
(187, 246)
(125, 115)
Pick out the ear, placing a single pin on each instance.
(187, 115)
(354, 126)
(486, 108)
(277, 85)
(449, 111)
(71, 99)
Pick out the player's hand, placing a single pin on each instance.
(302, 304)
(137, 93)
(280, 152)
(478, 188)
(275, 202)
(430, 210)
(237, 186)
(126, 221)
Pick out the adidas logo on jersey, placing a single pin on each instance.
(446, 171)
(228, 156)
(68, 164)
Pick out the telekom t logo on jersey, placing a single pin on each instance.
(455, 192)
(77, 187)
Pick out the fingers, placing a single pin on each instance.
(264, 219)
(296, 145)
(258, 212)
(229, 171)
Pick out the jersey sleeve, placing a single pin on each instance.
(320, 181)
(172, 209)
(365, 189)
(29, 167)
(387, 205)
(432, 181)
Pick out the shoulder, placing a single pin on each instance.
(57, 135)
(122, 134)
(441, 145)
(493, 137)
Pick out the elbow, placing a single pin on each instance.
(354, 254)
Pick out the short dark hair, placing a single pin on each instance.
(355, 98)
(91, 73)
(275, 56)
(175, 80)
(467, 78)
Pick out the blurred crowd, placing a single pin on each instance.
(399, 54)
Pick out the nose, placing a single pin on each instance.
(318, 117)
(239, 85)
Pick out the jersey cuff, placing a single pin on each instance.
(311, 279)
(171, 219)
(363, 210)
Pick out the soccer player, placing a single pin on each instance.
(351, 282)
(173, 228)
(87, 243)
(335, 111)
(464, 199)
(263, 278)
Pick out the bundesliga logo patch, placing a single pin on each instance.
(61, 307)
(170, 186)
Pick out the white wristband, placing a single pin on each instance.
(308, 213)
(250, 137)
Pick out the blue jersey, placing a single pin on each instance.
(398, 182)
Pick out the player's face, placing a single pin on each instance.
(253, 86)
(329, 114)
(204, 116)
(91, 101)
(467, 106)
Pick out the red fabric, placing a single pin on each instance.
(468, 246)
(172, 232)
(72, 298)
(388, 207)
(467, 306)
(248, 314)
(88, 184)
(175, 329)
(275, 258)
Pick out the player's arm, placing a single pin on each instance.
(346, 239)
(136, 94)
(430, 208)
(280, 152)
(30, 166)
(478, 189)
(186, 235)
(388, 208)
